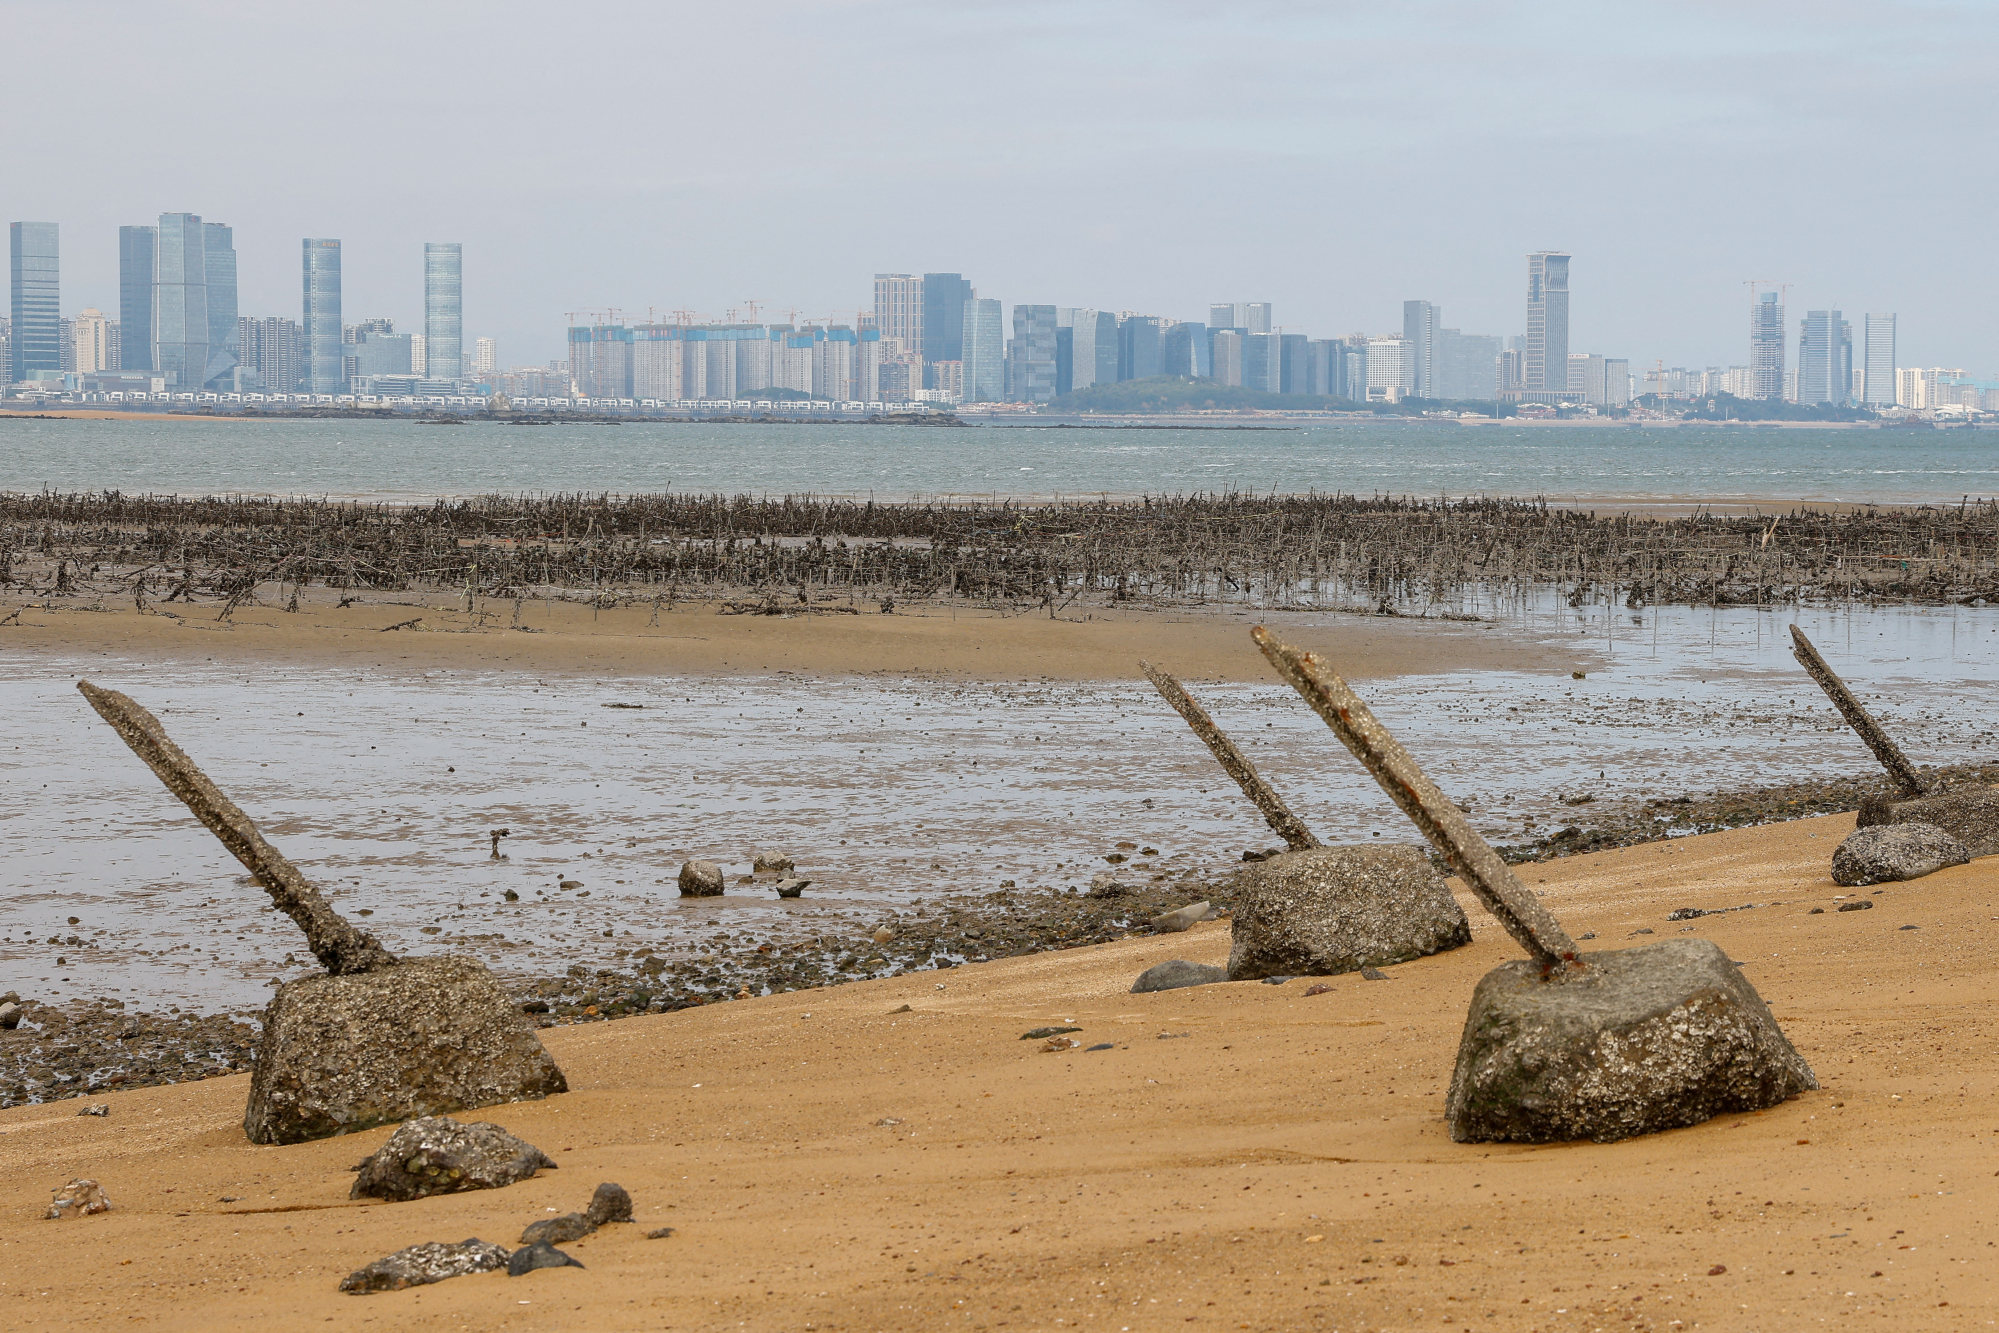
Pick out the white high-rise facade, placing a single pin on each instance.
(1877, 378)
(485, 358)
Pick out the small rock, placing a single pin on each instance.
(558, 1230)
(1169, 923)
(1275, 981)
(1643, 930)
(538, 1255)
(1106, 885)
(1587, 935)
(772, 863)
(419, 1265)
(1373, 974)
(1330, 910)
(1717, 1270)
(437, 1155)
(1908, 927)
(569, 884)
(1176, 973)
(1036, 1034)
(1816, 911)
(1886, 853)
(1863, 905)
(1101, 1046)
(101, 1108)
(1060, 1044)
(609, 1204)
(900, 1009)
(10, 1016)
(1321, 989)
(791, 888)
(701, 879)
(883, 934)
(659, 1233)
(79, 1198)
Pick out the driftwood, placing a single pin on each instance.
(339, 945)
(1908, 782)
(1512, 902)
(1234, 762)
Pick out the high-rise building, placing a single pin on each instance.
(270, 349)
(1299, 371)
(420, 357)
(899, 307)
(944, 298)
(35, 274)
(135, 297)
(1467, 367)
(1878, 371)
(321, 322)
(1091, 355)
(443, 310)
(1545, 367)
(1825, 358)
(1187, 349)
(1256, 317)
(1419, 326)
(1033, 353)
(1391, 369)
(180, 301)
(600, 360)
(485, 358)
(1226, 347)
(983, 338)
(1766, 345)
(1263, 362)
(1141, 351)
(1249, 316)
(90, 335)
(219, 281)
(1603, 381)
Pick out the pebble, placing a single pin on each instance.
(1816, 911)
(101, 1108)
(1321, 989)
(558, 1230)
(773, 863)
(1908, 927)
(1036, 1034)
(1373, 974)
(79, 1198)
(1275, 981)
(884, 934)
(659, 1233)
(791, 888)
(1101, 1046)
(1168, 923)
(1060, 1044)
(1861, 906)
(1175, 974)
(10, 1016)
(538, 1255)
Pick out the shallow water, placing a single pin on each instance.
(405, 461)
(382, 786)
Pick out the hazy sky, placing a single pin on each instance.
(1333, 158)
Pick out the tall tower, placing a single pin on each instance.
(135, 297)
(180, 301)
(443, 310)
(945, 296)
(1877, 386)
(219, 266)
(1546, 368)
(1766, 346)
(1419, 327)
(320, 326)
(899, 308)
(34, 269)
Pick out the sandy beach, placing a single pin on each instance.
(1244, 1156)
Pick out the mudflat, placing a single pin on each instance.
(1241, 1156)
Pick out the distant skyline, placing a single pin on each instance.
(1330, 158)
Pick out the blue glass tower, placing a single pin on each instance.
(34, 272)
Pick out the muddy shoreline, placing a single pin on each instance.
(72, 1051)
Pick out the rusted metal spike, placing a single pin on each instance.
(1512, 902)
(1234, 762)
(338, 944)
(1907, 780)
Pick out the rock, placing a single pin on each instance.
(10, 1016)
(1176, 973)
(100, 1108)
(1181, 918)
(79, 1198)
(1036, 1034)
(538, 1255)
(1321, 989)
(1859, 905)
(1054, 1044)
(1971, 816)
(558, 1230)
(1106, 885)
(609, 1204)
(883, 934)
(422, 1264)
(1338, 909)
(423, 1037)
(1100, 1046)
(1373, 974)
(700, 879)
(659, 1233)
(1884, 853)
(772, 863)
(1651, 1038)
(791, 888)
(437, 1155)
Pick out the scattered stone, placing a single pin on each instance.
(1717, 1270)
(1036, 1034)
(100, 1108)
(1886, 853)
(1176, 973)
(1321, 989)
(538, 1255)
(1373, 974)
(558, 1230)
(569, 884)
(423, 1037)
(1054, 1044)
(1645, 1039)
(1170, 923)
(1173, 1036)
(1587, 935)
(79, 1198)
(900, 1009)
(1106, 885)
(1970, 815)
(659, 1233)
(419, 1265)
(1816, 911)
(791, 888)
(609, 1204)
(884, 934)
(1859, 905)
(701, 879)
(1276, 981)
(1101, 1046)
(1339, 909)
(437, 1155)
(772, 863)
(10, 1016)
(1908, 927)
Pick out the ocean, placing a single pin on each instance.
(1619, 466)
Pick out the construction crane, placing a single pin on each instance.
(684, 317)
(752, 307)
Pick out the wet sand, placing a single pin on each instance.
(832, 1163)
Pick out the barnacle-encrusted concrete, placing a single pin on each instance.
(1339, 909)
(1885, 853)
(1970, 815)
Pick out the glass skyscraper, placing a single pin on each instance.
(1546, 367)
(1825, 358)
(983, 338)
(180, 301)
(219, 274)
(944, 299)
(321, 322)
(443, 320)
(1877, 385)
(34, 271)
(135, 297)
(1766, 346)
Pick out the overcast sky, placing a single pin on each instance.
(1333, 158)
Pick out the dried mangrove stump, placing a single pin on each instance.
(1236, 764)
(1441, 822)
(333, 940)
(1906, 779)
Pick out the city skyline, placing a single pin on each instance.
(1673, 158)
